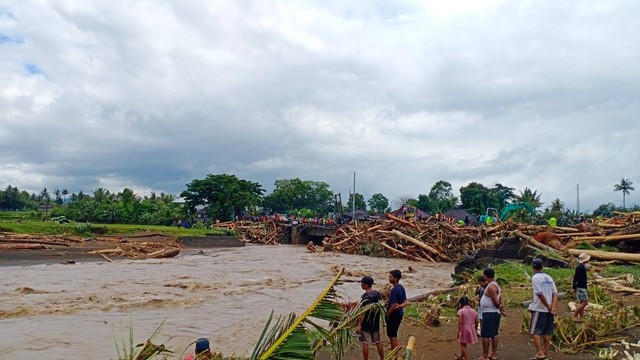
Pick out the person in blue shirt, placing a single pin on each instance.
(397, 302)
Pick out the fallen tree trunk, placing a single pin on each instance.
(604, 239)
(420, 244)
(534, 242)
(401, 253)
(606, 255)
(401, 221)
(164, 253)
(26, 241)
(22, 246)
(423, 297)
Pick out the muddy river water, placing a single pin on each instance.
(78, 311)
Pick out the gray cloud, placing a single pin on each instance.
(151, 95)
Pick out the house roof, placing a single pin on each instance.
(460, 214)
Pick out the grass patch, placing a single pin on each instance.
(50, 228)
(615, 270)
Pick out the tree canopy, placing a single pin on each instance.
(378, 204)
(626, 186)
(294, 194)
(223, 195)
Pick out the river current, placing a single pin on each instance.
(55, 311)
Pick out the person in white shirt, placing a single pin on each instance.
(543, 308)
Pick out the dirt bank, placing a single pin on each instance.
(440, 344)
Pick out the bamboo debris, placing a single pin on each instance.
(268, 232)
(431, 240)
(156, 245)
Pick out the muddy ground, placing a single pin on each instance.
(440, 344)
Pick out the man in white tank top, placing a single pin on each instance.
(492, 308)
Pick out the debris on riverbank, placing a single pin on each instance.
(134, 246)
(434, 241)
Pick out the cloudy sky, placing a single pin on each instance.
(152, 94)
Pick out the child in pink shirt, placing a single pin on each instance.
(467, 325)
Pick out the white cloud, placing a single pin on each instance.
(150, 95)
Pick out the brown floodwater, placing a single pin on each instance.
(79, 311)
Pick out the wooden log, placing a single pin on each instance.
(607, 238)
(533, 241)
(423, 297)
(22, 246)
(164, 253)
(420, 244)
(106, 257)
(606, 255)
(401, 253)
(25, 241)
(400, 221)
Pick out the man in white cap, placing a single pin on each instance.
(580, 286)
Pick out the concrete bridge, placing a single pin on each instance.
(301, 234)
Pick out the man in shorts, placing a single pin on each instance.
(580, 286)
(543, 308)
(369, 321)
(397, 302)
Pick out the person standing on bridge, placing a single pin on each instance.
(397, 302)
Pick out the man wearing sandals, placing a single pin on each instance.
(543, 308)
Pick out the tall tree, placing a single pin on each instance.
(296, 194)
(557, 205)
(476, 198)
(530, 196)
(46, 199)
(58, 198)
(223, 195)
(65, 192)
(502, 195)
(378, 203)
(441, 197)
(360, 203)
(626, 186)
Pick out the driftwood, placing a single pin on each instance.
(27, 241)
(164, 253)
(606, 255)
(534, 242)
(22, 246)
(424, 297)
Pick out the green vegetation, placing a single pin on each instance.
(292, 194)
(225, 196)
(51, 228)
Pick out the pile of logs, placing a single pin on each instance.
(433, 241)
(267, 232)
(422, 241)
(132, 246)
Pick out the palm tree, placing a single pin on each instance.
(626, 187)
(57, 193)
(65, 192)
(530, 196)
(46, 198)
(557, 205)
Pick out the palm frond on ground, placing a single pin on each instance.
(299, 338)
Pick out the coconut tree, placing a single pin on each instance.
(626, 187)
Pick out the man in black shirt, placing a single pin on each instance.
(369, 322)
(580, 286)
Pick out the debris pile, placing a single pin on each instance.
(135, 246)
(267, 232)
(434, 241)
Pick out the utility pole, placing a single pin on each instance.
(353, 200)
(578, 198)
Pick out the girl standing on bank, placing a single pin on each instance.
(467, 325)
